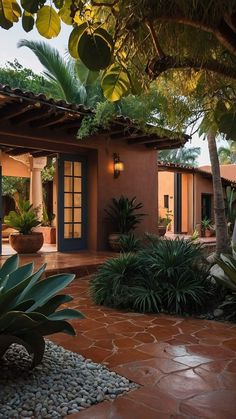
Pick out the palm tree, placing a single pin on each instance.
(184, 155)
(70, 79)
(227, 155)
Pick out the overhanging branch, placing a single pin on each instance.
(157, 66)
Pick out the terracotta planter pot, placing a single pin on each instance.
(49, 234)
(26, 243)
(113, 240)
(161, 230)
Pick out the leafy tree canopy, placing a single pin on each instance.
(134, 41)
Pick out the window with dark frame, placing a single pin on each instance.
(166, 201)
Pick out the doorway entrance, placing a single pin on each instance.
(64, 204)
(72, 203)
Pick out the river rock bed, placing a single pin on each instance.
(63, 384)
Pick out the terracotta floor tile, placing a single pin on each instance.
(219, 404)
(125, 356)
(191, 360)
(211, 351)
(184, 385)
(121, 408)
(156, 399)
(186, 367)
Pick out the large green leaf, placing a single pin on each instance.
(65, 12)
(34, 278)
(31, 6)
(11, 10)
(55, 326)
(227, 125)
(9, 266)
(8, 299)
(74, 39)
(36, 344)
(48, 22)
(86, 76)
(115, 83)
(4, 23)
(27, 22)
(66, 314)
(42, 291)
(51, 305)
(94, 51)
(18, 275)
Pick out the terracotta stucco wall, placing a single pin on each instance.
(166, 187)
(202, 185)
(138, 179)
(12, 167)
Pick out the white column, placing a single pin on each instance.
(36, 187)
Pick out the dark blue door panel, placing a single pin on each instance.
(72, 203)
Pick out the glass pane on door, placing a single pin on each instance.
(72, 211)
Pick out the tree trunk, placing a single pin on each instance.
(222, 241)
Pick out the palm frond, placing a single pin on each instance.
(58, 71)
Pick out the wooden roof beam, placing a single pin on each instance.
(143, 140)
(19, 151)
(9, 111)
(50, 120)
(163, 145)
(30, 115)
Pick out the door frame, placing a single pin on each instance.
(70, 245)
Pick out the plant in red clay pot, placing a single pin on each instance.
(207, 228)
(24, 220)
(123, 215)
(46, 227)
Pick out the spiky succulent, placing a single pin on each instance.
(29, 307)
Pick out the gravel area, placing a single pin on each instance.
(63, 384)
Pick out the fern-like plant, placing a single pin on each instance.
(167, 275)
(24, 219)
(29, 307)
(123, 214)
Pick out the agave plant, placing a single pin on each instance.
(29, 307)
(228, 279)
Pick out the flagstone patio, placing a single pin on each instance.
(186, 367)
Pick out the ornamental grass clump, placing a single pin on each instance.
(168, 275)
(29, 307)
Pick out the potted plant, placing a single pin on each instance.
(24, 220)
(206, 227)
(46, 227)
(164, 223)
(124, 217)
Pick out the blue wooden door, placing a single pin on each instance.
(72, 203)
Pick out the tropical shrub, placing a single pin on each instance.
(129, 243)
(29, 307)
(167, 275)
(227, 278)
(123, 214)
(24, 219)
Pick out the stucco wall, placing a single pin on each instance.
(12, 167)
(202, 185)
(138, 179)
(166, 187)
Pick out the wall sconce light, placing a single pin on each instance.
(118, 165)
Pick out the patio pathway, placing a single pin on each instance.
(186, 368)
(80, 263)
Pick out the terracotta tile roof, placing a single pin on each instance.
(131, 132)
